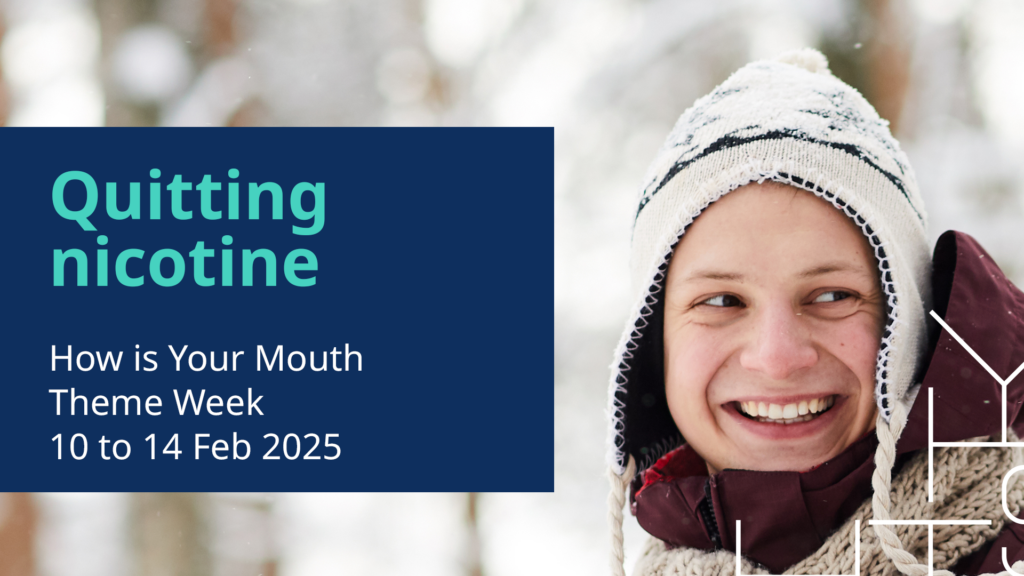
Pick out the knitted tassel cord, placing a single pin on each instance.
(616, 502)
(881, 482)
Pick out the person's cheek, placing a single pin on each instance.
(692, 360)
(854, 342)
(859, 345)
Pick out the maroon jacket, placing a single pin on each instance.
(788, 515)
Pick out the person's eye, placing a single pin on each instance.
(722, 301)
(832, 296)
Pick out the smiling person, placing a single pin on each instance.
(772, 367)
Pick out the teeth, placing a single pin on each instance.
(789, 413)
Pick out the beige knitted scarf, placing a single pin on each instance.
(968, 486)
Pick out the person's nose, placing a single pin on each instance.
(780, 343)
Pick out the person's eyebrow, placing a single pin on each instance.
(832, 267)
(713, 275)
(820, 270)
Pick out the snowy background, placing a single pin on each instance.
(611, 76)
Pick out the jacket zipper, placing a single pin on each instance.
(707, 513)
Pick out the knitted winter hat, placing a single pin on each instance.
(787, 120)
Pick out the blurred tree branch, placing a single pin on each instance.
(873, 55)
(18, 519)
(170, 534)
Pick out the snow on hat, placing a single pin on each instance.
(788, 120)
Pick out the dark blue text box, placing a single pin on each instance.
(434, 263)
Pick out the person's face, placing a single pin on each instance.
(773, 318)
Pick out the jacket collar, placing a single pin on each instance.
(785, 515)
